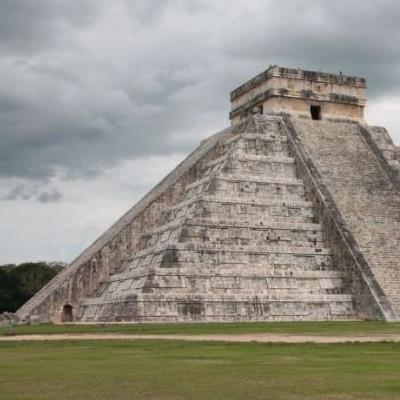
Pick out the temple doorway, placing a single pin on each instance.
(67, 313)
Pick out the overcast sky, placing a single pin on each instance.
(99, 99)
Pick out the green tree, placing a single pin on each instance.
(18, 283)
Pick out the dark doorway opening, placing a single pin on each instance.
(315, 112)
(67, 313)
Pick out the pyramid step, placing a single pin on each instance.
(285, 208)
(275, 159)
(215, 298)
(234, 232)
(265, 124)
(279, 223)
(316, 315)
(213, 309)
(269, 231)
(183, 254)
(199, 271)
(251, 238)
(246, 283)
(276, 295)
(248, 157)
(260, 225)
(260, 179)
(180, 260)
(212, 248)
(289, 201)
(247, 178)
(247, 186)
(264, 147)
(260, 137)
(256, 215)
(265, 166)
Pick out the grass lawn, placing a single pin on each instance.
(308, 328)
(198, 370)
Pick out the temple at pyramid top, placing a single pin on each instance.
(289, 90)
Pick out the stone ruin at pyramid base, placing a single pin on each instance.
(290, 214)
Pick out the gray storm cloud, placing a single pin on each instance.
(25, 192)
(99, 99)
(86, 84)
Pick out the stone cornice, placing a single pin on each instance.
(277, 71)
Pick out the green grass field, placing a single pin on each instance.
(197, 370)
(309, 328)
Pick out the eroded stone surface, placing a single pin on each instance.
(364, 193)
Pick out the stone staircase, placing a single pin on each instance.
(364, 193)
(244, 244)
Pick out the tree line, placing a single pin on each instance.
(18, 283)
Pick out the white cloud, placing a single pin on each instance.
(385, 112)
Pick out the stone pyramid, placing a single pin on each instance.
(256, 224)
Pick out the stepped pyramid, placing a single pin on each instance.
(289, 214)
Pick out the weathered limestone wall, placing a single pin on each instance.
(369, 299)
(280, 104)
(108, 254)
(365, 197)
